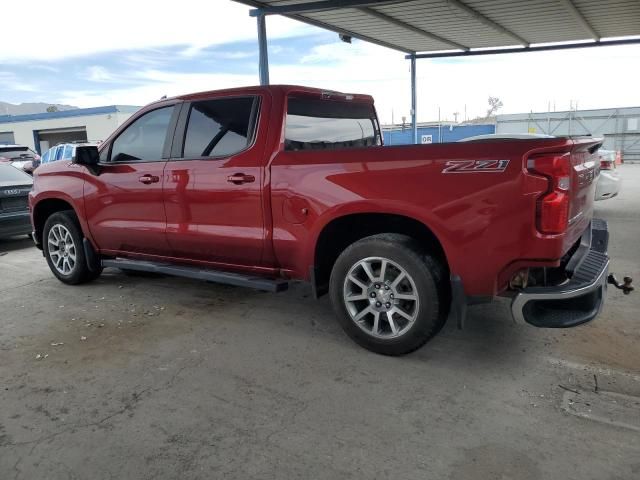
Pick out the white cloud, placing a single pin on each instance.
(158, 84)
(10, 81)
(595, 78)
(83, 27)
(96, 73)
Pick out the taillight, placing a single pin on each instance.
(606, 164)
(552, 212)
(607, 161)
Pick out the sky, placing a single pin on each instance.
(134, 52)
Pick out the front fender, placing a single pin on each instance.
(56, 187)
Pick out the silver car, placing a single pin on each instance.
(609, 181)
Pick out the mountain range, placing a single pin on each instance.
(28, 108)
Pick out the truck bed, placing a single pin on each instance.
(478, 199)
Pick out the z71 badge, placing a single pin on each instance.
(475, 166)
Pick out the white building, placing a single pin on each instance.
(43, 130)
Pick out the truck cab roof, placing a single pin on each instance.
(276, 90)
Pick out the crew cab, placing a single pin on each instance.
(261, 186)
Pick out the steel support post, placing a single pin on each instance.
(262, 47)
(414, 101)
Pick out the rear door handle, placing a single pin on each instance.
(239, 178)
(148, 179)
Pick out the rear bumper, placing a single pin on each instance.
(609, 184)
(14, 224)
(578, 300)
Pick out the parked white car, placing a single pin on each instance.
(609, 181)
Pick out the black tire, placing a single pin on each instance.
(80, 273)
(431, 289)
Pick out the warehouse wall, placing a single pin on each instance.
(98, 123)
(445, 134)
(98, 127)
(620, 127)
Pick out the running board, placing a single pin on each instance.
(237, 279)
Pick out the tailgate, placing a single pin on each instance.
(584, 174)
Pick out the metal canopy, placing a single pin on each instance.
(442, 28)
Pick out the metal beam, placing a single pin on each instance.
(487, 21)
(414, 100)
(407, 26)
(314, 7)
(262, 50)
(581, 19)
(332, 28)
(343, 31)
(541, 48)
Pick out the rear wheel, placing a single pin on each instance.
(62, 243)
(389, 295)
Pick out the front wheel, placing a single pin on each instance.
(389, 295)
(62, 244)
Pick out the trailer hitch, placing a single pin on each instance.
(626, 286)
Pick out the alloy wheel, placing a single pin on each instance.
(62, 249)
(381, 297)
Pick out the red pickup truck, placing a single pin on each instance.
(261, 186)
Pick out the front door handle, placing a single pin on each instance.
(239, 178)
(148, 179)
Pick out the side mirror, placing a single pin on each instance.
(89, 157)
(86, 155)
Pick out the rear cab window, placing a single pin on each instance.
(319, 124)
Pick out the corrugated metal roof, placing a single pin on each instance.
(425, 26)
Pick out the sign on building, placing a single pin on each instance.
(427, 139)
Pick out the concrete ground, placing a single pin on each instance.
(153, 378)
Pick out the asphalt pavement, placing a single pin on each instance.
(163, 378)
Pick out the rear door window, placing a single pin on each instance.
(220, 127)
(144, 139)
(316, 124)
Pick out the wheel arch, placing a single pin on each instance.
(342, 231)
(44, 209)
